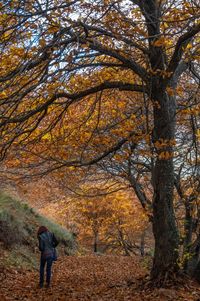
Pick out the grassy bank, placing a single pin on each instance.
(18, 234)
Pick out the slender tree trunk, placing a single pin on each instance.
(188, 227)
(164, 226)
(142, 243)
(96, 234)
(123, 243)
(192, 264)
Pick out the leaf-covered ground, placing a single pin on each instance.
(91, 278)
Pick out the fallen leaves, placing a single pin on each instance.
(88, 278)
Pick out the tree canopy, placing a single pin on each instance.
(113, 84)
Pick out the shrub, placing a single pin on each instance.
(10, 229)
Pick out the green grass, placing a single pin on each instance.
(18, 234)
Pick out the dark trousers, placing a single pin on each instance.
(48, 262)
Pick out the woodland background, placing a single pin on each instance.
(99, 130)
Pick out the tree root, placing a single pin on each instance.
(166, 280)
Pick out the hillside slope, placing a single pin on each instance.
(18, 234)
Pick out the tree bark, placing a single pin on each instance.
(164, 225)
(188, 228)
(193, 264)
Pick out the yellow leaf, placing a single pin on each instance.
(42, 42)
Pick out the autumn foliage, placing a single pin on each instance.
(105, 93)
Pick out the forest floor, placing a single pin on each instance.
(92, 278)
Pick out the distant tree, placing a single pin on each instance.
(113, 221)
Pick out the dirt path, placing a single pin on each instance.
(91, 278)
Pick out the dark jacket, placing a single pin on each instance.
(47, 243)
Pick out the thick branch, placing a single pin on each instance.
(181, 44)
(139, 70)
(74, 97)
(145, 202)
(182, 67)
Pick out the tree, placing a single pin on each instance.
(150, 44)
(113, 221)
(92, 214)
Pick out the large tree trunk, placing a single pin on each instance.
(164, 226)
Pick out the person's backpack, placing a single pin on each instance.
(55, 255)
(55, 243)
